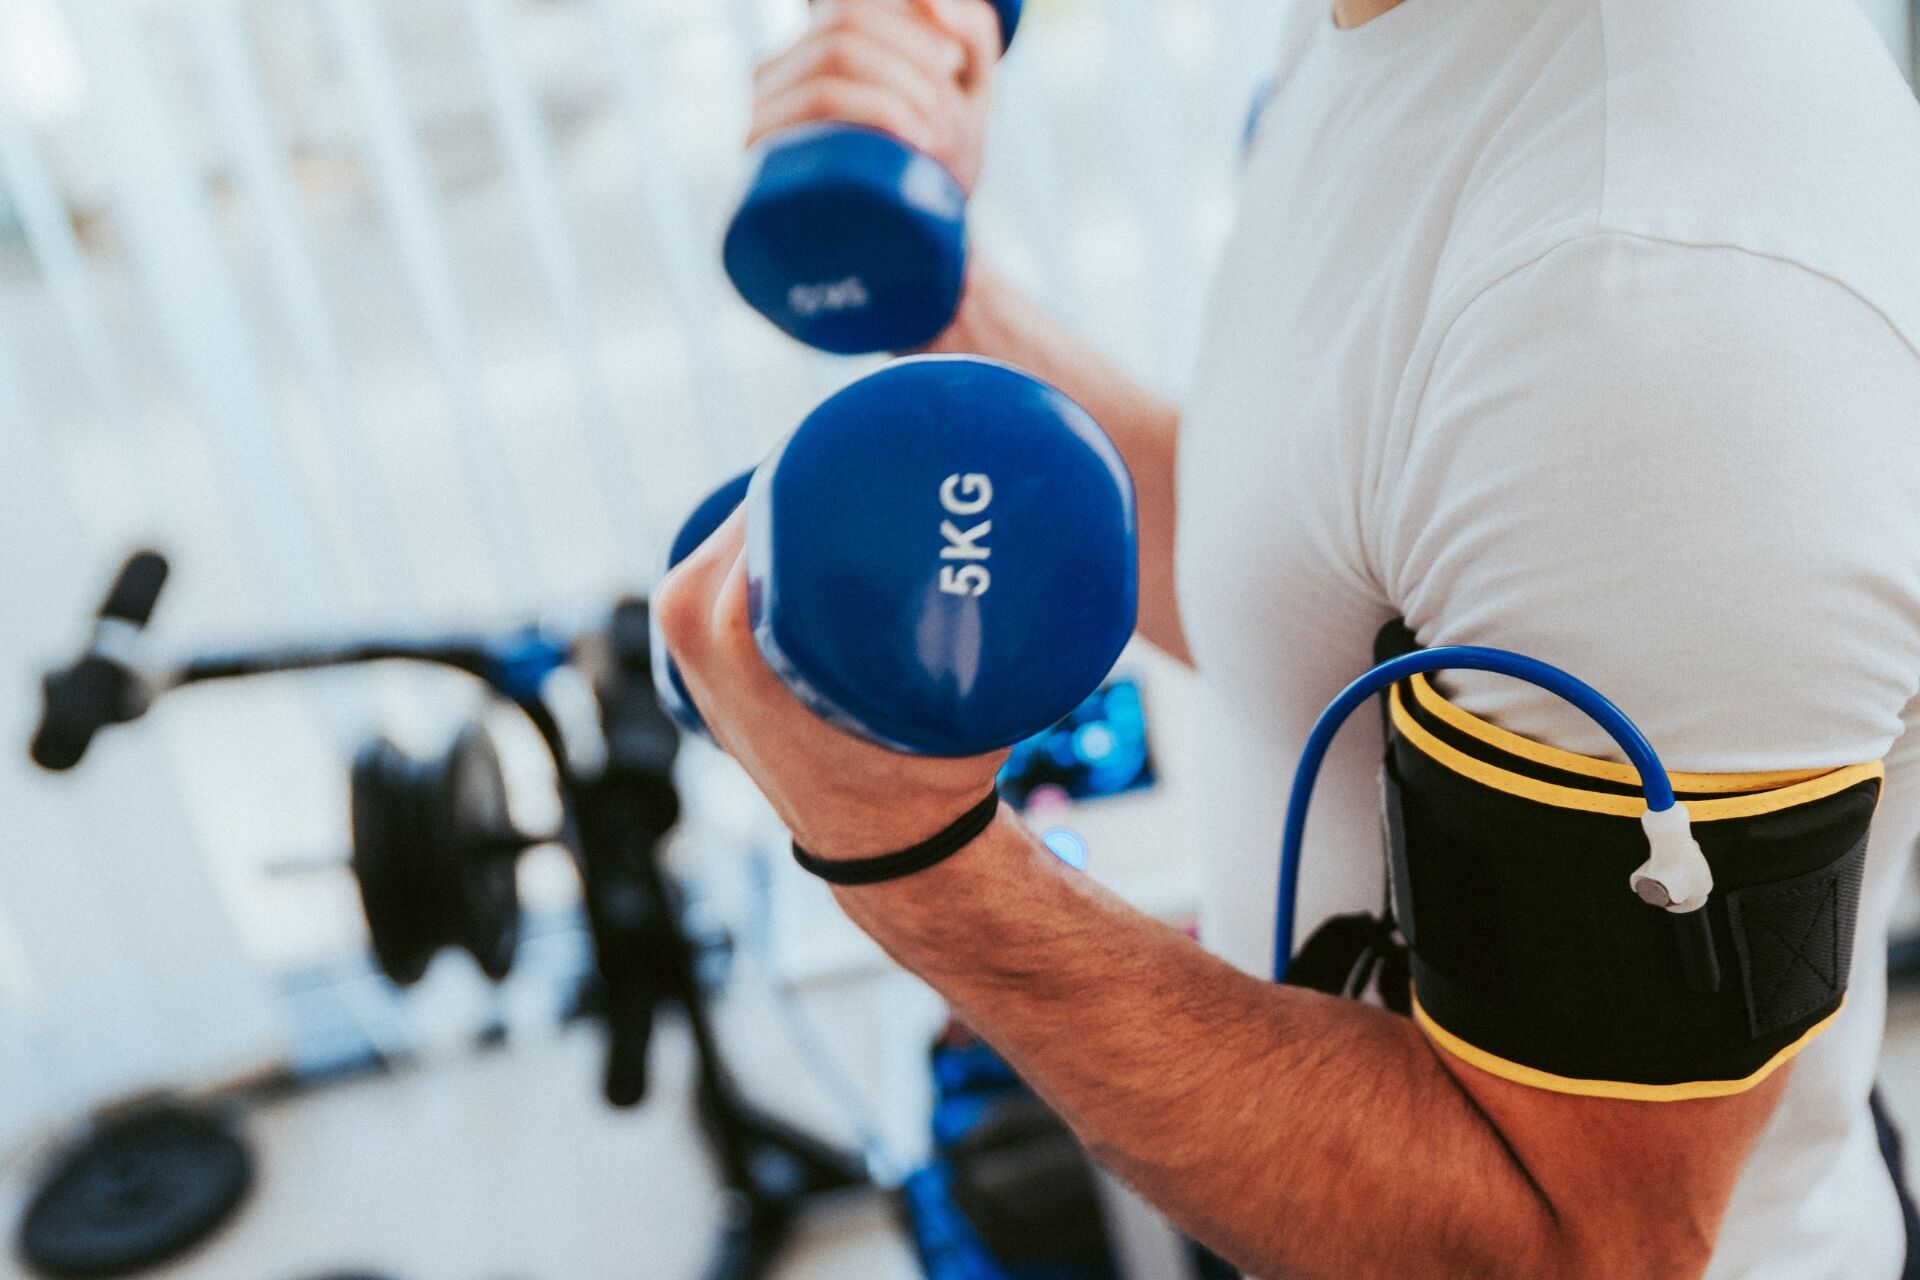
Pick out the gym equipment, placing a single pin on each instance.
(434, 855)
(434, 852)
(940, 558)
(1099, 749)
(100, 688)
(1008, 1193)
(849, 239)
(144, 1187)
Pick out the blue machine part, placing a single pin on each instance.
(949, 1248)
(969, 1079)
(1099, 749)
(708, 516)
(522, 663)
(942, 557)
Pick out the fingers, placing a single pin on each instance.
(905, 30)
(705, 613)
(857, 57)
(975, 25)
(845, 101)
(910, 69)
(686, 599)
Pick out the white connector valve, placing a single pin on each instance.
(1676, 877)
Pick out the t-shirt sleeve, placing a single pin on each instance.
(1688, 475)
(1691, 477)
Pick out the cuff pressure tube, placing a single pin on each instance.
(1675, 876)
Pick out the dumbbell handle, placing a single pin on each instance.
(1008, 12)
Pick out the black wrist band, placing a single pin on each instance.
(892, 866)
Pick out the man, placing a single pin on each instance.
(1584, 328)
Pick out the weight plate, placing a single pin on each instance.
(392, 860)
(483, 849)
(143, 1189)
(434, 854)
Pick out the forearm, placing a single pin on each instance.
(1297, 1134)
(997, 320)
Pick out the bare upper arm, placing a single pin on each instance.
(1634, 1188)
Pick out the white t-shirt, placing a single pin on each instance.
(1589, 329)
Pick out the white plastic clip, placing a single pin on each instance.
(1676, 877)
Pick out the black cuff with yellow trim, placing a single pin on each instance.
(1533, 959)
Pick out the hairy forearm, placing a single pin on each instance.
(1296, 1134)
(997, 320)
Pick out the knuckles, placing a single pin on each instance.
(705, 614)
(827, 100)
(838, 58)
(682, 614)
(733, 620)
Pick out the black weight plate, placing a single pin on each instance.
(144, 1188)
(484, 849)
(392, 862)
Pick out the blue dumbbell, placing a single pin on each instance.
(940, 559)
(850, 240)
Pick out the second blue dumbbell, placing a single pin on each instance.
(940, 559)
(849, 239)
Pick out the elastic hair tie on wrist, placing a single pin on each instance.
(904, 862)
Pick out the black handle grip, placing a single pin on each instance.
(57, 746)
(77, 703)
(137, 589)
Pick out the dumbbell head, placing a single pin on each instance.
(1009, 11)
(940, 558)
(850, 240)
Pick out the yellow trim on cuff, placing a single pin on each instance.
(1549, 793)
(1431, 700)
(1536, 1079)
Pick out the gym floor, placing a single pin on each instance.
(506, 1166)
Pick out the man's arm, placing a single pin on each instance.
(923, 71)
(1298, 1134)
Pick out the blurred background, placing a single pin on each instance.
(407, 318)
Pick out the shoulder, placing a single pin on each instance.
(1637, 357)
(1686, 473)
(1781, 127)
(1778, 127)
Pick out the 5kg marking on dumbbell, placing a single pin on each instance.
(829, 296)
(965, 495)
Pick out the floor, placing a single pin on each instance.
(505, 1166)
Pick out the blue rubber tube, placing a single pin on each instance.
(1653, 775)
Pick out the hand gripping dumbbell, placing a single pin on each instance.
(849, 239)
(940, 559)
